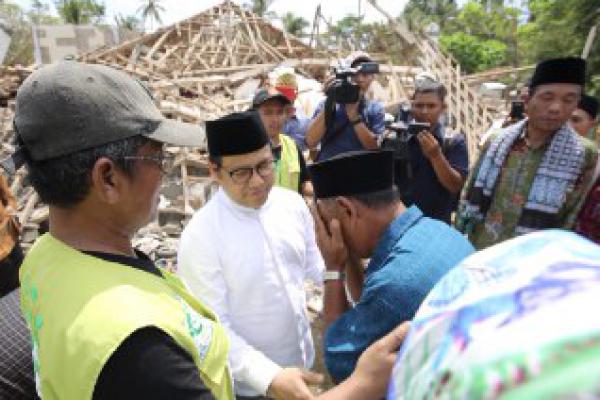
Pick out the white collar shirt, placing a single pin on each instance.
(249, 266)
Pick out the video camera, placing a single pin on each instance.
(399, 134)
(342, 90)
(397, 139)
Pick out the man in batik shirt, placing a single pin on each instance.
(534, 174)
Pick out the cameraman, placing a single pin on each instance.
(437, 158)
(354, 126)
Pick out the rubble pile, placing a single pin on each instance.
(186, 188)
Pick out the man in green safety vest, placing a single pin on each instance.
(105, 322)
(290, 166)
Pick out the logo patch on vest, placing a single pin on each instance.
(199, 328)
(35, 321)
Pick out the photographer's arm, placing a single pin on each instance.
(317, 128)
(450, 178)
(367, 138)
(315, 131)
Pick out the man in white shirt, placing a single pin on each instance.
(247, 253)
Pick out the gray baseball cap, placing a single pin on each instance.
(265, 94)
(70, 106)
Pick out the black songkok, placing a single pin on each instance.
(234, 134)
(353, 173)
(559, 70)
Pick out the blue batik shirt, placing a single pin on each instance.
(413, 254)
(334, 143)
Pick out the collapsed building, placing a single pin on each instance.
(209, 65)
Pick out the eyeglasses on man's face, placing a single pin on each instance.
(242, 175)
(165, 161)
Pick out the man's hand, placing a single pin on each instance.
(291, 384)
(332, 246)
(374, 366)
(352, 111)
(429, 145)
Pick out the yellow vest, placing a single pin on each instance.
(288, 167)
(80, 308)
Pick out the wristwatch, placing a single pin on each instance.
(334, 276)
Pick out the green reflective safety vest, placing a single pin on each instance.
(80, 308)
(288, 167)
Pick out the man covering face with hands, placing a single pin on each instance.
(358, 214)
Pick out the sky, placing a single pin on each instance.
(177, 10)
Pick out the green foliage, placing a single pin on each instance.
(130, 22)
(498, 23)
(480, 34)
(80, 12)
(21, 45)
(19, 21)
(485, 34)
(294, 24)
(420, 13)
(560, 28)
(260, 8)
(473, 53)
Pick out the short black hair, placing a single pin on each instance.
(66, 180)
(380, 199)
(590, 105)
(431, 87)
(217, 160)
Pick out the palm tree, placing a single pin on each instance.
(38, 8)
(151, 10)
(130, 22)
(420, 13)
(260, 8)
(294, 24)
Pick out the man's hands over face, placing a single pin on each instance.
(330, 240)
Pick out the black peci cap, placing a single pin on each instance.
(234, 134)
(353, 173)
(559, 70)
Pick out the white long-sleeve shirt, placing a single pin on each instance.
(249, 265)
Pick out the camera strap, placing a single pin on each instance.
(335, 133)
(328, 138)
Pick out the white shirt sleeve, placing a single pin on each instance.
(315, 266)
(199, 266)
